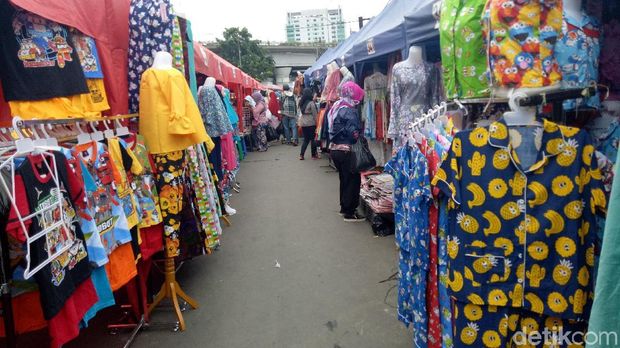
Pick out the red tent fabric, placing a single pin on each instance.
(109, 27)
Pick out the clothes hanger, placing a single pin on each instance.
(108, 133)
(121, 130)
(96, 134)
(82, 138)
(520, 116)
(50, 141)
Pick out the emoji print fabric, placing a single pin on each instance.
(521, 37)
(522, 218)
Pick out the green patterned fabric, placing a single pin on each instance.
(463, 53)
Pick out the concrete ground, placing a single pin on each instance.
(326, 291)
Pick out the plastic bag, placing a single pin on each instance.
(363, 159)
(271, 133)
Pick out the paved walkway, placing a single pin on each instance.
(327, 290)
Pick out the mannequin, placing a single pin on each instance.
(572, 8)
(376, 68)
(416, 55)
(162, 61)
(330, 92)
(209, 82)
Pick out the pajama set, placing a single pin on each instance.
(521, 234)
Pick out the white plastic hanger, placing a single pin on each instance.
(50, 141)
(121, 130)
(96, 134)
(108, 133)
(22, 144)
(520, 116)
(82, 138)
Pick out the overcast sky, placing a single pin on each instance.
(266, 19)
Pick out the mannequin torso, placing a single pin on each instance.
(572, 8)
(209, 82)
(415, 56)
(162, 61)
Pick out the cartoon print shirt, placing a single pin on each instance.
(124, 164)
(144, 185)
(464, 62)
(522, 231)
(89, 56)
(577, 52)
(107, 209)
(37, 59)
(36, 191)
(96, 252)
(521, 39)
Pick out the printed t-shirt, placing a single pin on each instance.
(88, 54)
(65, 325)
(58, 279)
(144, 183)
(37, 60)
(96, 251)
(103, 289)
(123, 163)
(107, 210)
(122, 267)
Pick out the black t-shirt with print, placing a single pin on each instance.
(37, 59)
(59, 279)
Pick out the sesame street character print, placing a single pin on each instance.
(170, 169)
(43, 43)
(577, 52)
(464, 64)
(522, 225)
(520, 41)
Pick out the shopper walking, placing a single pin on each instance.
(307, 122)
(289, 116)
(344, 128)
(259, 122)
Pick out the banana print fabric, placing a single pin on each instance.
(523, 234)
(464, 61)
(493, 327)
(412, 199)
(521, 39)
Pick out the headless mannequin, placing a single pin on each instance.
(209, 82)
(162, 61)
(416, 56)
(572, 9)
(345, 72)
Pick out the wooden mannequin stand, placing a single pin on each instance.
(171, 289)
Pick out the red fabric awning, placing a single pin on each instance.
(107, 21)
(210, 64)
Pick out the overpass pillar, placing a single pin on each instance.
(283, 75)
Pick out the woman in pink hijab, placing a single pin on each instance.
(344, 128)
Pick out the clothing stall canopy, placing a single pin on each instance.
(420, 24)
(383, 34)
(210, 64)
(318, 65)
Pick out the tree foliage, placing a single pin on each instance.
(240, 49)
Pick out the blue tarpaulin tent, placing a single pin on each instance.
(420, 23)
(318, 70)
(383, 34)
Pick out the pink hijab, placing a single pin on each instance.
(350, 96)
